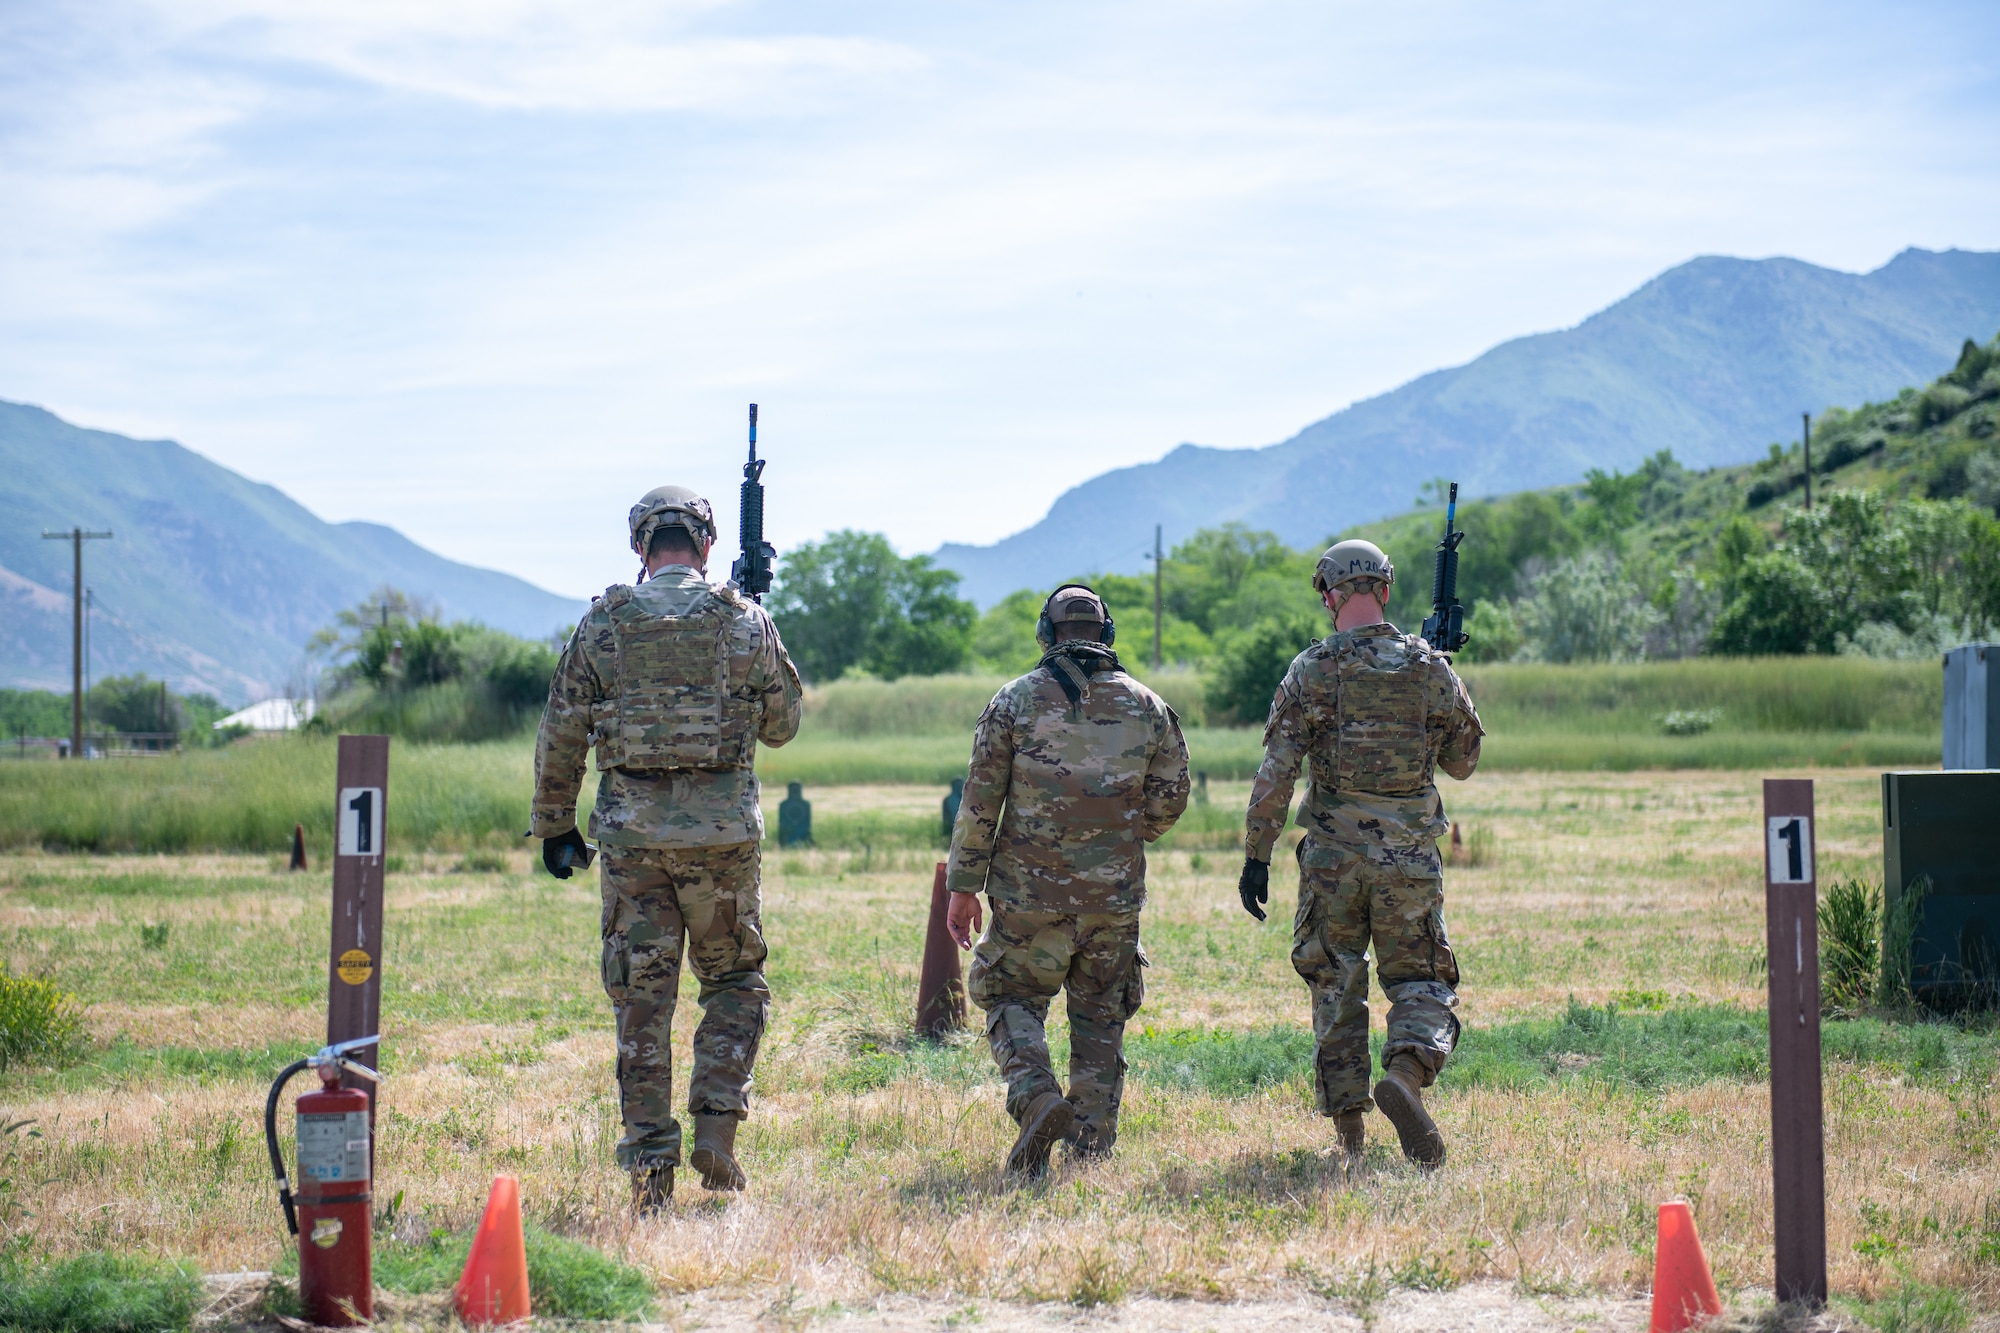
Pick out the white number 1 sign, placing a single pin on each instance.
(1788, 849)
(360, 821)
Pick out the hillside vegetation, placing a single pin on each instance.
(1898, 557)
(1706, 360)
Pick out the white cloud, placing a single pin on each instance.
(439, 264)
(545, 55)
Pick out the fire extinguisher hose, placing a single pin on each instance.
(271, 1141)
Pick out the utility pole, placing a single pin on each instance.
(76, 537)
(1806, 444)
(89, 605)
(1158, 558)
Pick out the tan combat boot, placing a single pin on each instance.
(714, 1152)
(1048, 1118)
(1400, 1095)
(652, 1188)
(1351, 1128)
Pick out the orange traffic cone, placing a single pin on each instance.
(1683, 1290)
(494, 1287)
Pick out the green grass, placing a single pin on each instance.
(1785, 695)
(1679, 1045)
(1914, 1307)
(249, 796)
(97, 1293)
(1789, 712)
(566, 1278)
(949, 705)
(871, 1146)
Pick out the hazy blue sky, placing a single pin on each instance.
(487, 269)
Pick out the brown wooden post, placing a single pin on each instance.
(941, 989)
(1798, 1144)
(354, 965)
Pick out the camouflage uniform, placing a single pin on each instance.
(1375, 711)
(679, 824)
(1061, 796)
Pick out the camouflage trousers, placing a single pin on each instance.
(1394, 901)
(1027, 956)
(658, 903)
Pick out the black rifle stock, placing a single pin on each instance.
(1445, 628)
(752, 570)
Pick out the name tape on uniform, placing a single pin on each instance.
(1788, 849)
(360, 821)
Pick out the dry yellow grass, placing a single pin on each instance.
(874, 1169)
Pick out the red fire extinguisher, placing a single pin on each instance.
(332, 1213)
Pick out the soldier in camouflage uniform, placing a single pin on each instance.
(1375, 711)
(1075, 767)
(675, 680)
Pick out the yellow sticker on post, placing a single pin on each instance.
(355, 967)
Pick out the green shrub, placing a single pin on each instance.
(39, 1023)
(1586, 609)
(566, 1279)
(1689, 721)
(97, 1293)
(1246, 670)
(1900, 924)
(849, 600)
(1850, 945)
(1916, 1307)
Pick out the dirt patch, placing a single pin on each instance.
(1484, 1307)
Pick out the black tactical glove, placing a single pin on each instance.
(1255, 886)
(564, 851)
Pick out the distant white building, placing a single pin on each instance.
(271, 715)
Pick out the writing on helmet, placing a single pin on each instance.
(1352, 561)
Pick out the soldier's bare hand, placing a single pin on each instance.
(963, 918)
(1254, 887)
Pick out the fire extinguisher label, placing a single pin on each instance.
(326, 1232)
(334, 1147)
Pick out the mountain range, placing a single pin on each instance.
(215, 583)
(1713, 359)
(210, 581)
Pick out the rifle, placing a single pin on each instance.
(752, 570)
(1444, 629)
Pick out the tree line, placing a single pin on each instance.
(1898, 556)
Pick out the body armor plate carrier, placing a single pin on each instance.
(673, 708)
(1374, 737)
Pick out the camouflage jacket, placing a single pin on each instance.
(1062, 795)
(1375, 711)
(669, 808)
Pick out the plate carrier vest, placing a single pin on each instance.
(673, 708)
(1370, 719)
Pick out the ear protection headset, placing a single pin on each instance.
(1045, 629)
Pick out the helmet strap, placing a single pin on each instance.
(1343, 593)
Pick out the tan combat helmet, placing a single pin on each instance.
(1350, 562)
(666, 507)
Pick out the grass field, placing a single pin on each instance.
(1829, 712)
(1613, 1057)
